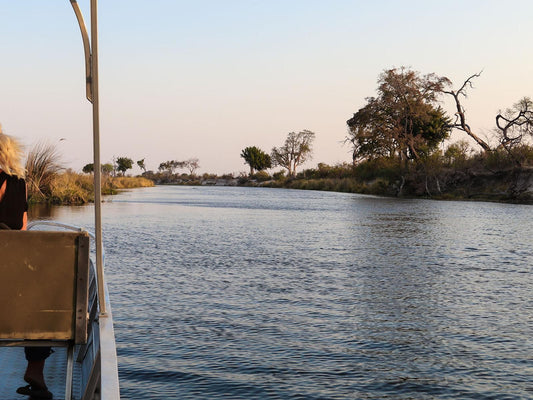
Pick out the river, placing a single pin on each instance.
(256, 293)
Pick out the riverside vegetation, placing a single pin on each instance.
(71, 188)
(490, 177)
(397, 140)
(454, 174)
(398, 148)
(49, 182)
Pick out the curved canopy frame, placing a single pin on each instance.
(90, 46)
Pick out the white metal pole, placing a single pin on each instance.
(91, 66)
(96, 149)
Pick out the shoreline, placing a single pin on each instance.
(513, 186)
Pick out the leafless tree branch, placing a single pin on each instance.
(460, 118)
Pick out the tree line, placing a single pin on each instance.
(121, 164)
(296, 150)
(405, 121)
(403, 125)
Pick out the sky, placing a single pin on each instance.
(206, 78)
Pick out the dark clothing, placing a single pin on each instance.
(12, 208)
(37, 353)
(13, 205)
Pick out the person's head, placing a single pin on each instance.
(10, 155)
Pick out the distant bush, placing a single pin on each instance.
(500, 158)
(128, 182)
(261, 176)
(523, 154)
(209, 176)
(383, 167)
(324, 171)
(70, 188)
(456, 154)
(279, 176)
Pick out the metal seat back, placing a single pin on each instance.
(44, 285)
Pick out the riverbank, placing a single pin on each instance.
(513, 185)
(70, 188)
(507, 186)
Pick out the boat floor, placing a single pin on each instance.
(12, 367)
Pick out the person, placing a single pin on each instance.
(14, 215)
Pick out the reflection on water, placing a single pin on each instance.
(42, 211)
(243, 293)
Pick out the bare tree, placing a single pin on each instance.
(296, 150)
(514, 124)
(192, 164)
(460, 119)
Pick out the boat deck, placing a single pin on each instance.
(13, 364)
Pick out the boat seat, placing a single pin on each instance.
(43, 288)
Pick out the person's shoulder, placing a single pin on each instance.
(21, 181)
(13, 178)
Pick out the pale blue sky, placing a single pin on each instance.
(182, 79)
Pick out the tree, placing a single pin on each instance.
(88, 168)
(296, 150)
(403, 121)
(141, 165)
(457, 152)
(123, 164)
(460, 118)
(165, 166)
(192, 164)
(107, 168)
(256, 158)
(171, 166)
(514, 125)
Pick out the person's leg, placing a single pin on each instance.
(34, 374)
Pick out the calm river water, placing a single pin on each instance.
(247, 293)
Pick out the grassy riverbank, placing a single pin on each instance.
(492, 177)
(495, 176)
(510, 186)
(73, 188)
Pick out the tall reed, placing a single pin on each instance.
(42, 166)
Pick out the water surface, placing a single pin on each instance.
(255, 293)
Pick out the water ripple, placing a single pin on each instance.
(236, 293)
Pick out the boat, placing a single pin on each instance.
(53, 290)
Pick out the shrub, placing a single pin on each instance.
(279, 176)
(261, 176)
(384, 167)
(498, 159)
(71, 188)
(457, 153)
(129, 182)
